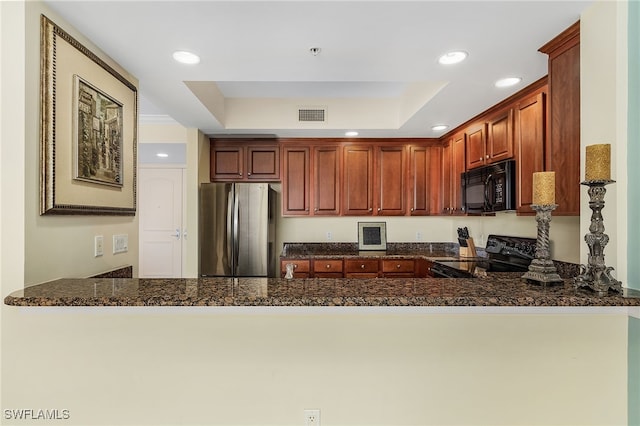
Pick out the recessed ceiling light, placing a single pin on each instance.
(314, 50)
(351, 133)
(453, 57)
(185, 57)
(439, 127)
(162, 155)
(509, 81)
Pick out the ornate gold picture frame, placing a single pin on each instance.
(89, 126)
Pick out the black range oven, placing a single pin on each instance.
(504, 254)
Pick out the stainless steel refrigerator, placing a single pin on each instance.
(237, 230)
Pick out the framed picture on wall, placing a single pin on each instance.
(89, 119)
(372, 236)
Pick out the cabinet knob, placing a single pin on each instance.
(295, 266)
(397, 266)
(480, 159)
(370, 209)
(412, 209)
(328, 266)
(240, 174)
(315, 210)
(487, 156)
(379, 209)
(362, 266)
(249, 174)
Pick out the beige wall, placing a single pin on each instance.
(219, 366)
(565, 238)
(60, 246)
(603, 54)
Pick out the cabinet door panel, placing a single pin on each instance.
(391, 180)
(434, 184)
(358, 184)
(446, 173)
(263, 162)
(476, 142)
(500, 137)
(295, 185)
(326, 184)
(530, 129)
(227, 162)
(420, 188)
(457, 166)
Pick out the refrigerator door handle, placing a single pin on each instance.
(236, 227)
(229, 238)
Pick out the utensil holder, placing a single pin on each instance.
(469, 250)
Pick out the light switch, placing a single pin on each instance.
(98, 246)
(120, 243)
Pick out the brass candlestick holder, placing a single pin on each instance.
(596, 275)
(542, 270)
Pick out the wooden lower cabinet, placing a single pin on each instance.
(301, 268)
(404, 268)
(327, 268)
(361, 268)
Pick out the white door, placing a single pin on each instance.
(161, 231)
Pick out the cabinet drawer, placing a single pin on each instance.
(405, 265)
(324, 265)
(298, 265)
(361, 265)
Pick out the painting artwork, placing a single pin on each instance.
(88, 129)
(98, 133)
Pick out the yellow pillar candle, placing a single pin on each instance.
(544, 188)
(598, 162)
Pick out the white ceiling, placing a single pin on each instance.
(377, 71)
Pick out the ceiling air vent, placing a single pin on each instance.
(312, 114)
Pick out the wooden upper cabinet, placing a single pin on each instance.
(227, 162)
(562, 147)
(490, 141)
(419, 180)
(446, 177)
(457, 169)
(358, 180)
(476, 145)
(244, 160)
(500, 137)
(263, 162)
(390, 190)
(425, 180)
(327, 161)
(530, 137)
(453, 165)
(295, 182)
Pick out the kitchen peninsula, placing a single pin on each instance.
(496, 289)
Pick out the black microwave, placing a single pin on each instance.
(490, 188)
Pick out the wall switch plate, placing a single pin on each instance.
(329, 236)
(311, 417)
(418, 236)
(98, 246)
(120, 243)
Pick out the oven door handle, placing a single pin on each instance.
(488, 203)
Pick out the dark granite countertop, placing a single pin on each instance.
(347, 250)
(497, 289)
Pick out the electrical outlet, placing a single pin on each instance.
(120, 243)
(98, 246)
(329, 236)
(312, 417)
(418, 236)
